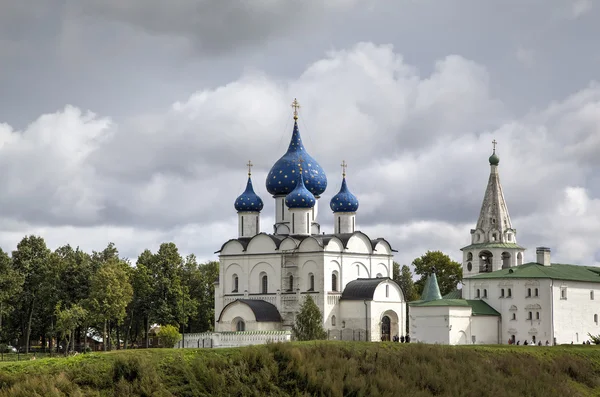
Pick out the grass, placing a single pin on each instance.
(313, 368)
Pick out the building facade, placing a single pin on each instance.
(265, 277)
(537, 302)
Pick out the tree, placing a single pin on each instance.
(168, 335)
(403, 277)
(31, 260)
(11, 283)
(200, 280)
(67, 320)
(110, 293)
(448, 272)
(309, 322)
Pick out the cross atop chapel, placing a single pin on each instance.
(295, 106)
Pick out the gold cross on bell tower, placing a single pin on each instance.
(295, 106)
(494, 144)
(250, 165)
(344, 166)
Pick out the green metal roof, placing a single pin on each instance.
(456, 294)
(431, 290)
(481, 308)
(440, 302)
(491, 245)
(478, 307)
(555, 271)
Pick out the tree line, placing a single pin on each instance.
(60, 296)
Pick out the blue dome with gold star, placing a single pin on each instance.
(300, 197)
(248, 201)
(344, 201)
(283, 175)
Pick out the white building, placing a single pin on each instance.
(264, 277)
(503, 299)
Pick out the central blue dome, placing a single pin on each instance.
(248, 201)
(300, 197)
(283, 175)
(344, 201)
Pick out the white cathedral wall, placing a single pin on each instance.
(429, 324)
(484, 330)
(574, 316)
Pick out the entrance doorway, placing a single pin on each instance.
(385, 328)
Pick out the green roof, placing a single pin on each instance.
(431, 290)
(555, 271)
(478, 307)
(456, 294)
(440, 302)
(481, 308)
(491, 245)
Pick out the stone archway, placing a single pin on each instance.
(389, 325)
(485, 261)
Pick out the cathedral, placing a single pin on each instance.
(504, 300)
(265, 277)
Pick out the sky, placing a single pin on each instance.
(131, 121)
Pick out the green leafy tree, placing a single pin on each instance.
(309, 322)
(168, 335)
(67, 320)
(110, 293)
(201, 282)
(11, 283)
(448, 272)
(404, 278)
(30, 259)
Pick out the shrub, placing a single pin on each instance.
(169, 335)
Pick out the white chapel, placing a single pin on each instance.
(504, 300)
(264, 277)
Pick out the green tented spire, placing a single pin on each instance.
(431, 291)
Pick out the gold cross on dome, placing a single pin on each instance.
(494, 144)
(300, 161)
(295, 106)
(250, 165)
(344, 166)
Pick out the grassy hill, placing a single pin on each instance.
(314, 368)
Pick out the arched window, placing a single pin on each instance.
(591, 295)
(509, 292)
(387, 291)
(334, 281)
(265, 284)
(529, 292)
(291, 283)
(333, 321)
(596, 319)
(311, 282)
(235, 283)
(537, 292)
(519, 259)
(537, 315)
(530, 316)
(514, 316)
(470, 256)
(478, 293)
(379, 275)
(502, 293)
(485, 293)
(240, 326)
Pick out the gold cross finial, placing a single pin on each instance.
(250, 165)
(494, 144)
(344, 166)
(295, 106)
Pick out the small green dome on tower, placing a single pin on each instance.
(494, 159)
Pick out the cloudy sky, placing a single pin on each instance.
(132, 120)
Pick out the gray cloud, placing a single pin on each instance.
(163, 158)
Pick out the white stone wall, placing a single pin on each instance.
(344, 222)
(248, 224)
(574, 316)
(300, 219)
(484, 330)
(430, 324)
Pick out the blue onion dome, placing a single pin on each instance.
(248, 201)
(283, 175)
(300, 197)
(344, 201)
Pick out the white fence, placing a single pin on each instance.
(232, 339)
